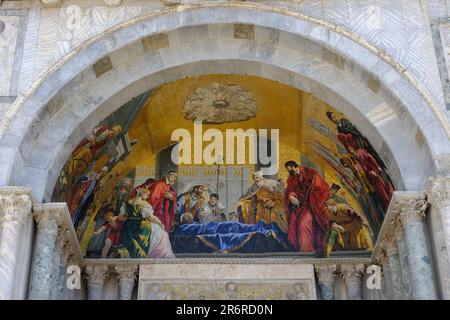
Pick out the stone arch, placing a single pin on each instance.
(313, 53)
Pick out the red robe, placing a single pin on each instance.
(307, 223)
(347, 140)
(164, 208)
(95, 147)
(383, 190)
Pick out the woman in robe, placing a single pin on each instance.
(143, 233)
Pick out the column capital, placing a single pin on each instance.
(126, 272)
(15, 205)
(48, 216)
(325, 273)
(96, 274)
(438, 191)
(352, 272)
(414, 210)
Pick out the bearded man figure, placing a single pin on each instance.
(306, 214)
(163, 199)
(263, 201)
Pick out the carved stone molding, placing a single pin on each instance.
(240, 261)
(171, 2)
(96, 275)
(48, 218)
(51, 3)
(352, 272)
(414, 210)
(438, 191)
(393, 226)
(63, 242)
(382, 260)
(14, 206)
(390, 245)
(113, 3)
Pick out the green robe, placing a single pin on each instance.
(136, 230)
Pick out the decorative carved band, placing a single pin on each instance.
(171, 2)
(113, 3)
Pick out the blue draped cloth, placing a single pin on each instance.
(228, 236)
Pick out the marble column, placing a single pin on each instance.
(60, 261)
(48, 219)
(352, 275)
(399, 235)
(386, 285)
(439, 197)
(326, 279)
(126, 274)
(15, 209)
(96, 276)
(391, 250)
(422, 280)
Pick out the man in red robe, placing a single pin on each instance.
(382, 185)
(163, 199)
(306, 214)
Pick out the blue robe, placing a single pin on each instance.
(226, 237)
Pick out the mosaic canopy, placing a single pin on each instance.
(129, 199)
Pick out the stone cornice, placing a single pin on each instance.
(315, 261)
